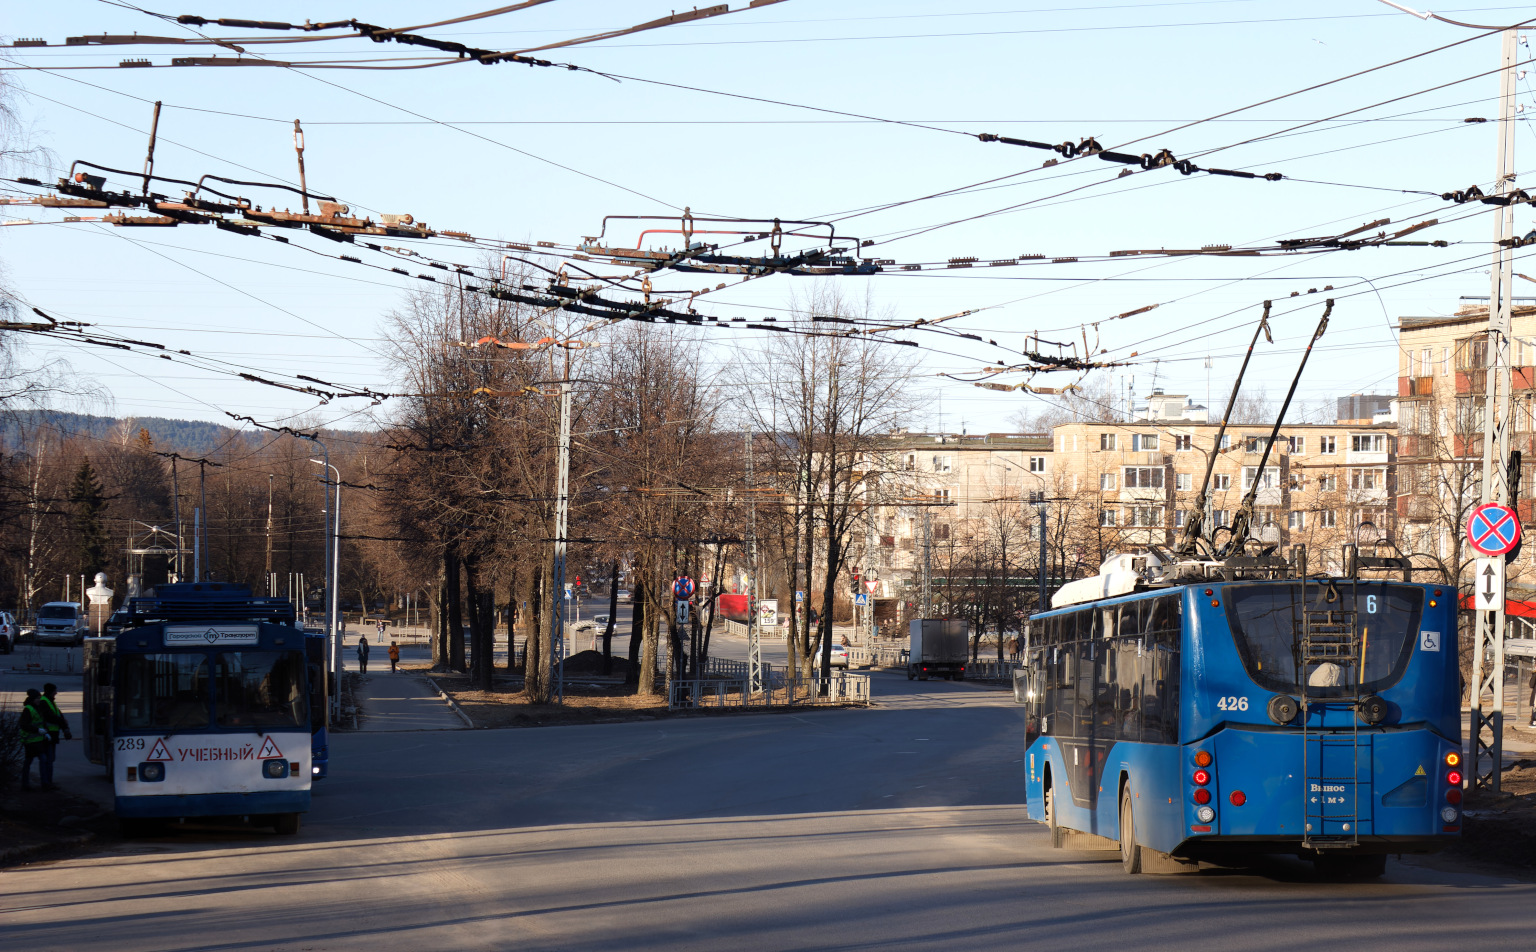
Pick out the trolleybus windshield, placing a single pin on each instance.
(1267, 625)
(261, 689)
(162, 691)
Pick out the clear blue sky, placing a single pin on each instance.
(1034, 69)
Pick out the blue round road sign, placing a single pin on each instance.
(683, 588)
(1493, 529)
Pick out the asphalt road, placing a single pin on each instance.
(896, 828)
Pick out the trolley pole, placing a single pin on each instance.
(1486, 747)
(927, 588)
(562, 507)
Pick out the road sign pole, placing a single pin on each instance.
(1486, 747)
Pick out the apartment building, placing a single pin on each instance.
(1318, 484)
(1442, 377)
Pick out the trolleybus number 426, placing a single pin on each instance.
(1232, 703)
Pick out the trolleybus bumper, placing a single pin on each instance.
(1214, 847)
(213, 804)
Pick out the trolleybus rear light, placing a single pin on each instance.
(1451, 828)
(1453, 795)
(1238, 798)
(1202, 758)
(1205, 814)
(151, 772)
(1202, 795)
(1200, 829)
(1453, 777)
(133, 773)
(1202, 777)
(1209, 592)
(1449, 814)
(1452, 758)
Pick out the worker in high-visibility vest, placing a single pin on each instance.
(35, 743)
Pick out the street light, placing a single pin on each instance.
(332, 582)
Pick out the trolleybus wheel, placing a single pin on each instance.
(1350, 866)
(911, 672)
(1058, 835)
(286, 824)
(1130, 850)
(136, 827)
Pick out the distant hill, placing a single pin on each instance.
(190, 436)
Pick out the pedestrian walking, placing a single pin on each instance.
(394, 656)
(1532, 705)
(53, 718)
(34, 743)
(381, 629)
(362, 654)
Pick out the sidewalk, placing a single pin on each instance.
(401, 701)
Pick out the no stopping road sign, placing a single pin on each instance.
(1493, 529)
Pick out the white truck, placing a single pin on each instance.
(60, 623)
(938, 647)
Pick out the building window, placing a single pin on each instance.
(1368, 443)
(1107, 441)
(1264, 518)
(1270, 479)
(1109, 517)
(1445, 361)
(943, 464)
(1328, 518)
(1183, 444)
(1063, 447)
(1221, 516)
(1298, 445)
(1426, 362)
(1327, 445)
(1037, 495)
(943, 495)
(1179, 518)
(1143, 442)
(1143, 477)
(1146, 516)
(1471, 412)
(1226, 441)
(1472, 353)
(1367, 479)
(1074, 482)
(1181, 482)
(941, 531)
(1037, 464)
(1296, 520)
(1221, 481)
(1106, 482)
(1328, 484)
(911, 462)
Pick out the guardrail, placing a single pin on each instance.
(44, 659)
(731, 670)
(990, 671)
(779, 691)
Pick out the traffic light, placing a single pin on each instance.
(854, 585)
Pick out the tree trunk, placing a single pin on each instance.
(477, 600)
(455, 613)
(650, 649)
(438, 603)
(536, 664)
(512, 621)
(709, 626)
(613, 614)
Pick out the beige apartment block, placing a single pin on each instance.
(1137, 481)
(1442, 379)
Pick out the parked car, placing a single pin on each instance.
(9, 632)
(839, 657)
(596, 624)
(60, 623)
(626, 597)
(115, 623)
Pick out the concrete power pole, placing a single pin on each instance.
(270, 584)
(754, 635)
(1487, 746)
(562, 511)
(925, 609)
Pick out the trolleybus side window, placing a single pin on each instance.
(167, 691)
(261, 689)
(1381, 618)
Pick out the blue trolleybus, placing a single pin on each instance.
(1208, 710)
(208, 702)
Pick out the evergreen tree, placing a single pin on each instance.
(90, 504)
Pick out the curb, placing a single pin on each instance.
(451, 703)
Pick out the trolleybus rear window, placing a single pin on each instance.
(167, 691)
(1361, 633)
(261, 689)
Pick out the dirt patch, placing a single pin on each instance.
(590, 663)
(39, 824)
(1502, 829)
(506, 704)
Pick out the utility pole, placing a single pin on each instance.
(270, 584)
(927, 587)
(1041, 605)
(1487, 750)
(202, 488)
(181, 568)
(754, 635)
(562, 506)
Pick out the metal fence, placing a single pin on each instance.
(780, 690)
(44, 659)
